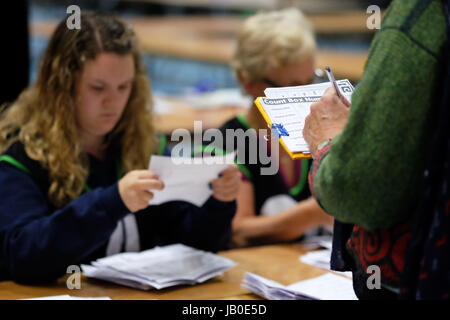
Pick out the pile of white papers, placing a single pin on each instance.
(159, 267)
(326, 287)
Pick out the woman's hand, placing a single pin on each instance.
(135, 186)
(226, 188)
(326, 120)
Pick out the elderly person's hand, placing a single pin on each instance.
(326, 120)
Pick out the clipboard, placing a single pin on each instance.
(275, 128)
(286, 105)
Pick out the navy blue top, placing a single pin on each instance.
(38, 242)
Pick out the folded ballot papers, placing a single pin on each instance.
(326, 287)
(187, 179)
(160, 267)
(286, 108)
(320, 258)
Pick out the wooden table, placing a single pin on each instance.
(276, 262)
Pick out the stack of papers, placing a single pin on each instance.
(326, 287)
(160, 267)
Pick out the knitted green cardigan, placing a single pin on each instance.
(372, 172)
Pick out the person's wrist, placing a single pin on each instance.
(323, 144)
(320, 146)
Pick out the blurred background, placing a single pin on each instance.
(187, 46)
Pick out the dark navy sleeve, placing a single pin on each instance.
(209, 227)
(37, 244)
(206, 228)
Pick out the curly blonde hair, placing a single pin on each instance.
(270, 40)
(43, 117)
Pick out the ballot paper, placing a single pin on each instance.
(321, 259)
(325, 287)
(160, 267)
(286, 108)
(187, 181)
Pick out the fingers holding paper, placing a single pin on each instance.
(135, 188)
(327, 119)
(226, 187)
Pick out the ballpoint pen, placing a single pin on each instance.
(333, 81)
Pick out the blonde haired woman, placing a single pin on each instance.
(75, 146)
(274, 49)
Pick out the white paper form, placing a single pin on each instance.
(313, 91)
(290, 106)
(187, 181)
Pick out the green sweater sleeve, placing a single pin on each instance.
(372, 173)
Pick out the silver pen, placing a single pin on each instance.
(330, 76)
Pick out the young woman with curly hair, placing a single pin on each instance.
(74, 151)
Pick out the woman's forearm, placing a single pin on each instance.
(285, 226)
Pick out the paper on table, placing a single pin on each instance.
(187, 181)
(159, 267)
(165, 265)
(321, 259)
(326, 287)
